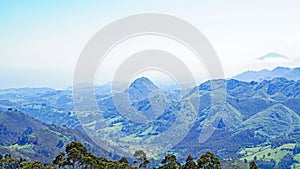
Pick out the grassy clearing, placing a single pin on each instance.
(267, 153)
(27, 148)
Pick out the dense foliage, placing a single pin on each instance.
(77, 156)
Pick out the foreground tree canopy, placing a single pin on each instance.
(76, 156)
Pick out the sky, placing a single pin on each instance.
(41, 41)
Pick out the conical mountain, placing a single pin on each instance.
(140, 89)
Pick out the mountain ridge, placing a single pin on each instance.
(239, 123)
(258, 76)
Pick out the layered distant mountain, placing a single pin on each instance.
(258, 76)
(253, 114)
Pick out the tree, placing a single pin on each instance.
(142, 158)
(8, 162)
(170, 162)
(75, 153)
(37, 165)
(190, 163)
(32, 165)
(252, 165)
(123, 160)
(117, 165)
(89, 161)
(60, 160)
(208, 161)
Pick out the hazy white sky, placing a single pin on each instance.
(42, 40)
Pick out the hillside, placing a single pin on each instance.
(27, 138)
(275, 121)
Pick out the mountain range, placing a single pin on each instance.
(259, 109)
(288, 73)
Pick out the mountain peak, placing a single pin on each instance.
(142, 80)
(272, 55)
(141, 88)
(280, 69)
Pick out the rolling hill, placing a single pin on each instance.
(24, 137)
